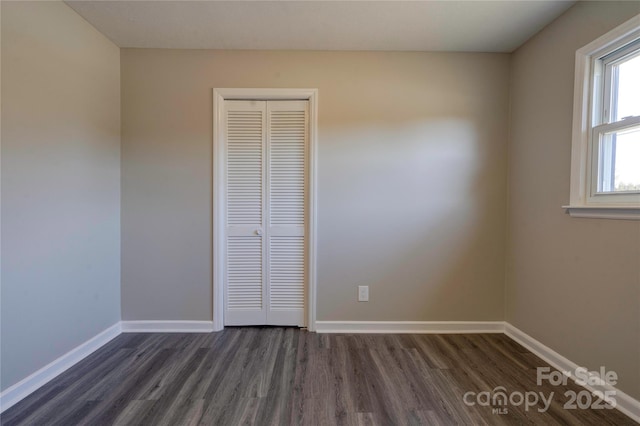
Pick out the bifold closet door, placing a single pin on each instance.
(287, 131)
(266, 151)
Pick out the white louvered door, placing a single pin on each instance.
(245, 202)
(286, 182)
(266, 152)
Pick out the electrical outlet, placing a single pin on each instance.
(363, 293)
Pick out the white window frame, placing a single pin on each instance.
(219, 213)
(589, 123)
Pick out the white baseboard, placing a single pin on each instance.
(625, 403)
(167, 326)
(418, 327)
(31, 383)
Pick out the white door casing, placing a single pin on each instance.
(264, 207)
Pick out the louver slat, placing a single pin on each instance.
(287, 273)
(244, 167)
(287, 146)
(244, 256)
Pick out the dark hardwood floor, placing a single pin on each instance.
(282, 376)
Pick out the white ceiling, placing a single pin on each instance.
(472, 26)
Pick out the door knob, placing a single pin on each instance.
(258, 231)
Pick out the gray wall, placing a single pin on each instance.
(573, 284)
(60, 185)
(412, 190)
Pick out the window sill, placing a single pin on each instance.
(602, 212)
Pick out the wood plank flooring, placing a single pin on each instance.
(286, 376)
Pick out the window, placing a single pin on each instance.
(605, 170)
(615, 138)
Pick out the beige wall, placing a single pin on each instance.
(60, 185)
(573, 284)
(412, 166)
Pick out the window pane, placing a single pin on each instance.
(619, 161)
(628, 89)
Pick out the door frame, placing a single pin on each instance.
(220, 95)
